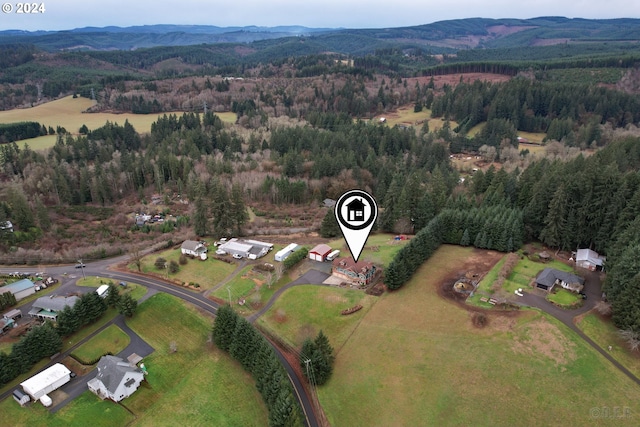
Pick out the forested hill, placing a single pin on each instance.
(439, 36)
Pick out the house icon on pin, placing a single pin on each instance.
(355, 210)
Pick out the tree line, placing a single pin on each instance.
(233, 334)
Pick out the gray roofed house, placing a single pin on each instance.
(194, 248)
(116, 379)
(47, 308)
(549, 277)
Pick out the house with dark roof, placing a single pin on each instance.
(116, 379)
(360, 272)
(47, 308)
(549, 277)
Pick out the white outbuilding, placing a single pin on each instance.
(282, 254)
(46, 381)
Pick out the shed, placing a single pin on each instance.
(20, 289)
(13, 314)
(283, 254)
(46, 381)
(320, 252)
(591, 260)
(20, 397)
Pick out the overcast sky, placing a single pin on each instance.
(68, 14)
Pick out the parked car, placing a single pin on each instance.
(237, 256)
(220, 252)
(583, 295)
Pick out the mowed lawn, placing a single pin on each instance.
(195, 385)
(111, 340)
(68, 113)
(87, 409)
(302, 311)
(206, 273)
(415, 359)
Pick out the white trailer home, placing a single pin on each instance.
(46, 381)
(282, 254)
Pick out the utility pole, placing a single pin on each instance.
(82, 268)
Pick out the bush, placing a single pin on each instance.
(479, 320)
(174, 267)
(183, 259)
(295, 258)
(160, 263)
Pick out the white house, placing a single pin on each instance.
(193, 248)
(116, 379)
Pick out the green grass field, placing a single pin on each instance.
(416, 359)
(86, 409)
(111, 340)
(240, 286)
(605, 334)
(387, 248)
(564, 298)
(196, 385)
(302, 311)
(206, 273)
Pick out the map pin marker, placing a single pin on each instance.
(356, 212)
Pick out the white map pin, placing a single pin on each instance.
(356, 212)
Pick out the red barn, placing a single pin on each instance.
(320, 252)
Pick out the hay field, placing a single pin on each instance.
(69, 113)
(416, 359)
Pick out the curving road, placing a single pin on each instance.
(101, 268)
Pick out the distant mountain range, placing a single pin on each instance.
(443, 35)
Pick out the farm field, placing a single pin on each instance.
(68, 113)
(302, 311)
(416, 359)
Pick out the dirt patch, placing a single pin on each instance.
(476, 265)
(543, 338)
